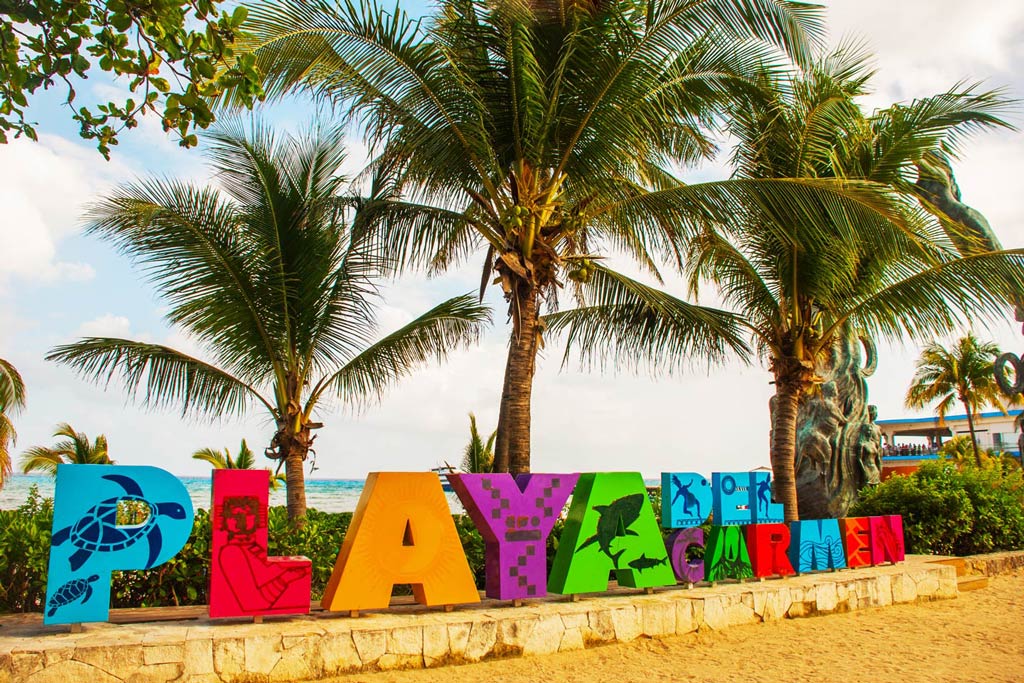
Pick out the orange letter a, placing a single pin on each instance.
(402, 532)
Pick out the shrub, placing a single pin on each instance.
(953, 511)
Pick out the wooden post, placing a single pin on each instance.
(354, 613)
(76, 628)
(574, 597)
(449, 608)
(258, 619)
(517, 603)
(649, 590)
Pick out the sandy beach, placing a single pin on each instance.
(977, 637)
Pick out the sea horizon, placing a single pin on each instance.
(324, 494)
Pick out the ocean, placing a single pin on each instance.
(327, 495)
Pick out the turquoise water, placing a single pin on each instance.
(329, 495)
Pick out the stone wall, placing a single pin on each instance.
(995, 563)
(323, 645)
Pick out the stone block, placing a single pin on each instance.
(405, 641)
(626, 622)
(338, 653)
(826, 597)
(156, 673)
(658, 620)
(371, 645)
(686, 619)
(483, 636)
(67, 671)
(546, 636)
(392, 662)
(229, 657)
(572, 639)
(458, 639)
(513, 634)
(903, 589)
(435, 641)
(198, 656)
(300, 660)
(600, 628)
(163, 654)
(574, 620)
(24, 664)
(119, 661)
(262, 653)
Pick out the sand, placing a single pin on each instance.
(977, 637)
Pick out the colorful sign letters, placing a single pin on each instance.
(109, 518)
(91, 539)
(515, 517)
(244, 582)
(611, 527)
(402, 532)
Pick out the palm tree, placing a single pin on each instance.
(963, 373)
(799, 289)
(478, 457)
(272, 279)
(222, 460)
(542, 134)
(73, 449)
(12, 399)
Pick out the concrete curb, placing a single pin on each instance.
(324, 645)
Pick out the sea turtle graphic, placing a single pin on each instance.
(97, 530)
(71, 591)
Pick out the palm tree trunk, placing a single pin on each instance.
(512, 451)
(974, 438)
(295, 483)
(784, 449)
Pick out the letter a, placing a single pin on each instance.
(244, 582)
(611, 527)
(402, 532)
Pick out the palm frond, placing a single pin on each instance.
(633, 325)
(12, 388)
(452, 324)
(163, 375)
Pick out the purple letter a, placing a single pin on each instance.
(515, 517)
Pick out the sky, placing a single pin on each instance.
(57, 285)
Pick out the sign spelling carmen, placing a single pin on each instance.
(402, 532)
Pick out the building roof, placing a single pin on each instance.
(935, 420)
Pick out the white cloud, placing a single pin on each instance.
(43, 186)
(108, 325)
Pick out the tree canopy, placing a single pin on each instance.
(174, 54)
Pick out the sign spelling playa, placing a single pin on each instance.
(402, 532)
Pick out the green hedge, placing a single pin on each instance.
(951, 511)
(184, 580)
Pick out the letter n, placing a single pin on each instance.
(886, 539)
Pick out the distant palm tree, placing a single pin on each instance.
(222, 460)
(273, 274)
(12, 399)
(479, 456)
(74, 449)
(963, 373)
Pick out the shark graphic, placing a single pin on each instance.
(614, 521)
(643, 562)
